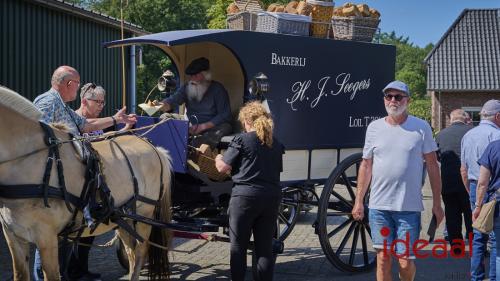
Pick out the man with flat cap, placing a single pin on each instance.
(474, 144)
(207, 104)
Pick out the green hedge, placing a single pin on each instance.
(421, 108)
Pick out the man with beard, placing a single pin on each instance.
(207, 104)
(392, 166)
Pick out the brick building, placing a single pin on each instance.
(463, 69)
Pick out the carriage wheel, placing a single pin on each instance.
(346, 243)
(289, 211)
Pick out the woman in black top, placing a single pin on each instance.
(255, 161)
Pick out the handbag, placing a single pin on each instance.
(484, 222)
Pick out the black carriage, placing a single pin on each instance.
(322, 94)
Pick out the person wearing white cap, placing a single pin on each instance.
(473, 145)
(392, 167)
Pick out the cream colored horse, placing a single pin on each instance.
(27, 221)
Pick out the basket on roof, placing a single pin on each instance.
(244, 15)
(355, 28)
(283, 23)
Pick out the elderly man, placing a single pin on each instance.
(207, 104)
(488, 186)
(474, 143)
(392, 163)
(455, 196)
(65, 84)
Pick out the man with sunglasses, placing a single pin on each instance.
(473, 145)
(392, 166)
(65, 83)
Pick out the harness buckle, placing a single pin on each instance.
(54, 141)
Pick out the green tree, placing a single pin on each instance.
(411, 69)
(154, 16)
(217, 14)
(421, 107)
(410, 66)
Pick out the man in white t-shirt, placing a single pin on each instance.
(395, 149)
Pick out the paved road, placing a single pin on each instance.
(303, 259)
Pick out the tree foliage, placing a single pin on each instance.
(217, 14)
(421, 107)
(410, 67)
(154, 16)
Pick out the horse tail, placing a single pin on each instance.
(159, 266)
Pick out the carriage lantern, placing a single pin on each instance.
(166, 82)
(259, 85)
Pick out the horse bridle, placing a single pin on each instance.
(45, 191)
(53, 143)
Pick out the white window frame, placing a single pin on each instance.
(472, 109)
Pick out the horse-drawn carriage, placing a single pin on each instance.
(322, 94)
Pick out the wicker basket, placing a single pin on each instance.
(321, 17)
(354, 28)
(246, 20)
(283, 23)
(206, 162)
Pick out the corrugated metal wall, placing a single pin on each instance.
(35, 40)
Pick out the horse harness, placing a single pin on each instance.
(95, 201)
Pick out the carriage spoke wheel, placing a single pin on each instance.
(288, 212)
(346, 243)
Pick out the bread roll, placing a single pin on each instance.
(374, 13)
(364, 10)
(292, 4)
(280, 9)
(351, 11)
(272, 7)
(291, 8)
(292, 11)
(337, 12)
(232, 9)
(304, 9)
(348, 5)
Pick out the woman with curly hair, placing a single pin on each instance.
(255, 161)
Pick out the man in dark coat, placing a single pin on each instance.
(454, 193)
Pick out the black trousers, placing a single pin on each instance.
(257, 215)
(456, 205)
(78, 264)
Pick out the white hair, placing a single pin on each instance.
(207, 74)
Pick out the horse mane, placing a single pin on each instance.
(19, 104)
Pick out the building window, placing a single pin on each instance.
(473, 113)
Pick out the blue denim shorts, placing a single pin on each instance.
(395, 230)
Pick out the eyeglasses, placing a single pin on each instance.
(99, 102)
(389, 97)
